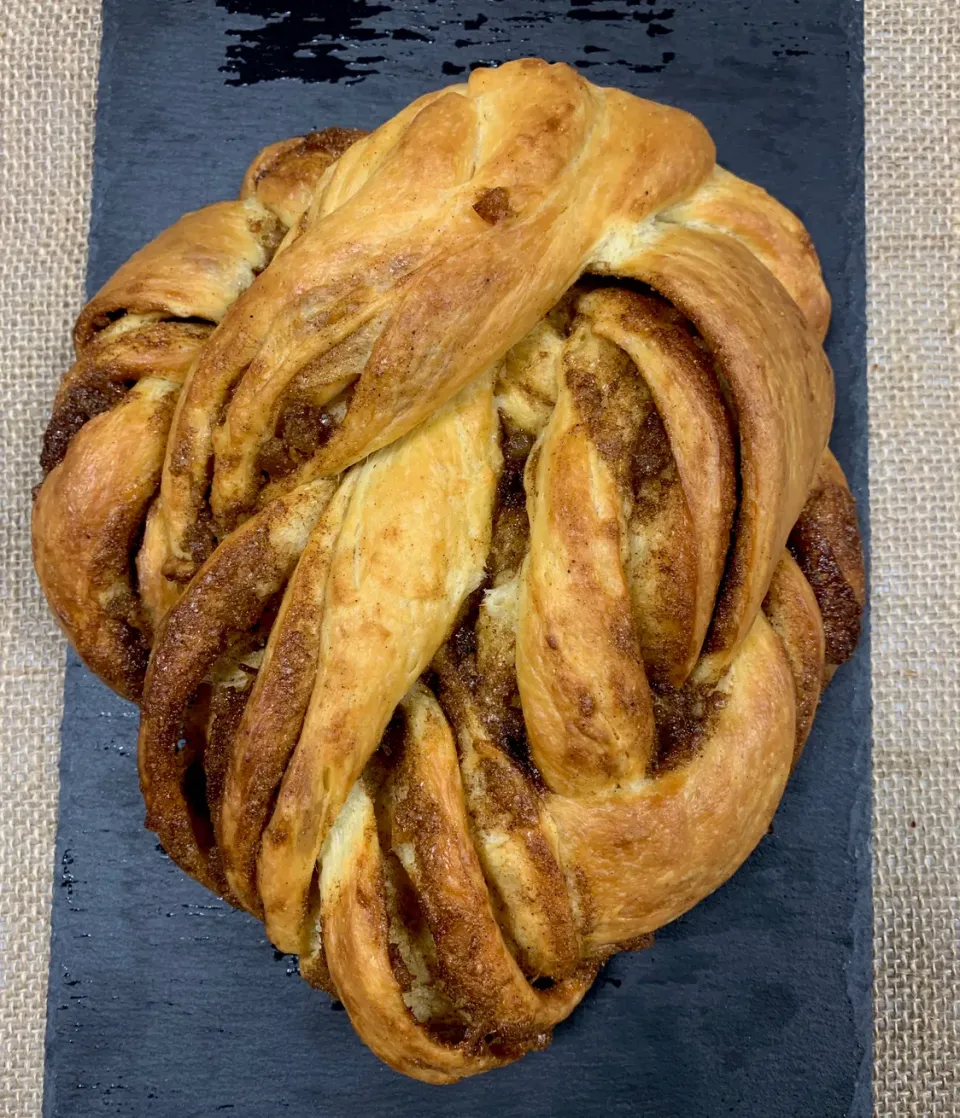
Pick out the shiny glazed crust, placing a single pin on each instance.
(457, 506)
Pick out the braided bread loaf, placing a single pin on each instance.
(457, 505)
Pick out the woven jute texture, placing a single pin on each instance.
(48, 67)
(49, 53)
(913, 216)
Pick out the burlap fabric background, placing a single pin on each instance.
(48, 70)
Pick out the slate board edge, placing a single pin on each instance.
(859, 978)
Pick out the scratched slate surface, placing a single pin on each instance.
(165, 1002)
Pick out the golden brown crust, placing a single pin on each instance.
(83, 534)
(400, 572)
(683, 479)
(780, 391)
(456, 290)
(770, 231)
(684, 833)
(825, 541)
(285, 176)
(355, 932)
(137, 341)
(585, 696)
(476, 652)
(791, 608)
(194, 269)
(514, 838)
(278, 701)
(118, 358)
(229, 595)
(158, 594)
(431, 836)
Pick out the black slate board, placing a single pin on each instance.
(165, 1002)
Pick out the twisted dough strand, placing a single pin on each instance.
(136, 342)
(449, 280)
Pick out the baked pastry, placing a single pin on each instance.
(457, 506)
